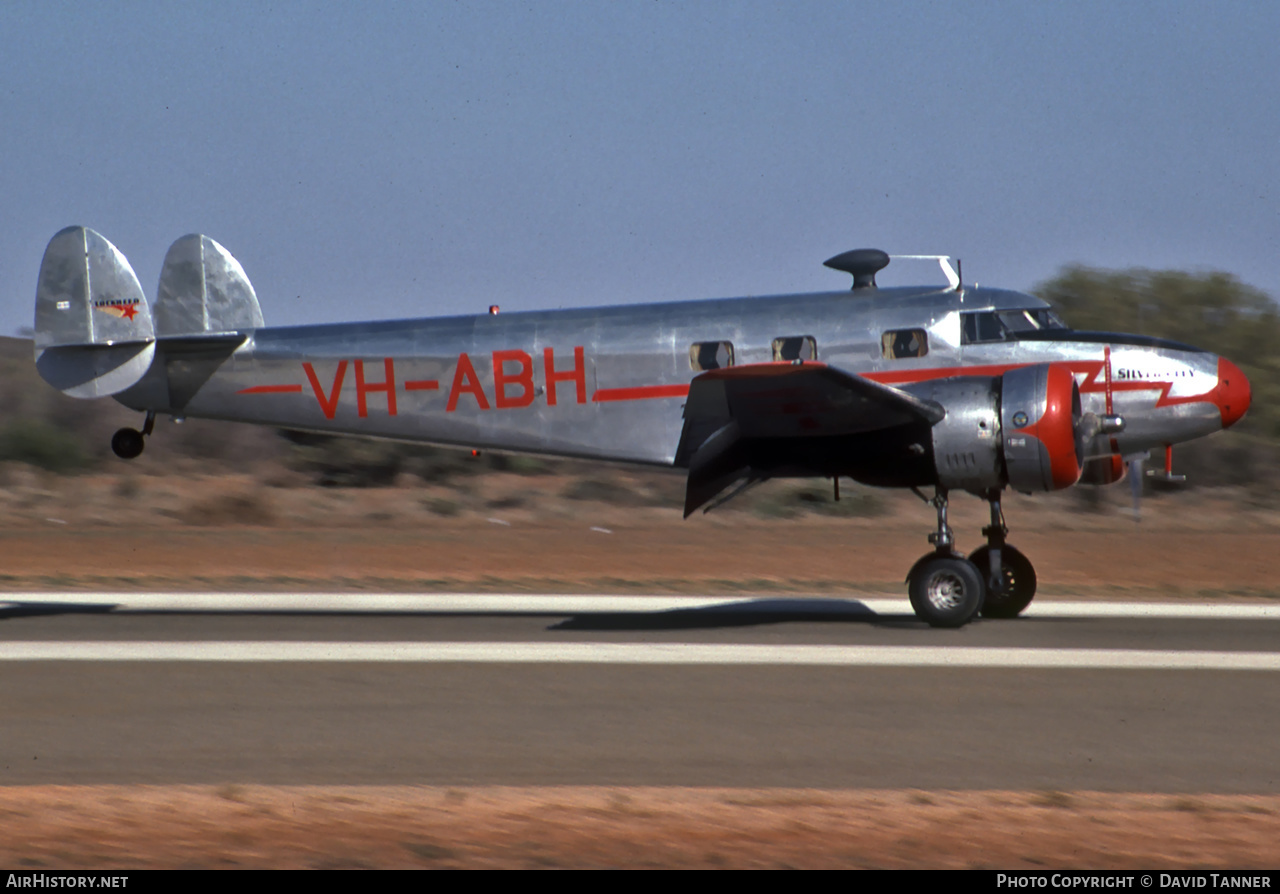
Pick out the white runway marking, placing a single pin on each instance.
(557, 604)
(639, 653)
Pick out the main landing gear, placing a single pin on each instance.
(1011, 581)
(948, 590)
(127, 443)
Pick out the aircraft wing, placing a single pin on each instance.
(735, 415)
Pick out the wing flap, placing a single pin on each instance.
(786, 406)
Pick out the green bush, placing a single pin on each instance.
(1213, 311)
(778, 500)
(338, 461)
(602, 489)
(37, 443)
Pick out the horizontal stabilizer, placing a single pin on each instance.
(89, 371)
(204, 289)
(93, 333)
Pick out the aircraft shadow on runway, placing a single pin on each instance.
(10, 610)
(747, 613)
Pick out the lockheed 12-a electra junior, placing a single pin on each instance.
(943, 387)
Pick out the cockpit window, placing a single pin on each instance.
(1006, 325)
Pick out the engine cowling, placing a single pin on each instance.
(1020, 429)
(1040, 412)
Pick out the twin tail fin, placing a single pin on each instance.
(96, 334)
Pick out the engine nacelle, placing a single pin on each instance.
(1020, 429)
(1040, 413)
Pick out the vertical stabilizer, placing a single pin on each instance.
(203, 289)
(93, 328)
(88, 294)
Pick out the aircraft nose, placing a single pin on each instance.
(1233, 394)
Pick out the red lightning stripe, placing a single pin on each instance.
(640, 392)
(1088, 368)
(272, 389)
(1093, 370)
(906, 376)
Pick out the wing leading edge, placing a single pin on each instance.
(760, 420)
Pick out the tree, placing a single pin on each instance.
(1213, 311)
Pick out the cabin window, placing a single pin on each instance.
(898, 343)
(710, 355)
(795, 347)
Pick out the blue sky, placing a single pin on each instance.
(383, 160)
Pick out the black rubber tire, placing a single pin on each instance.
(127, 443)
(946, 591)
(1019, 582)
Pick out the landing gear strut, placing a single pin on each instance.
(127, 443)
(946, 589)
(1010, 579)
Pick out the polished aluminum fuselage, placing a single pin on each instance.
(609, 382)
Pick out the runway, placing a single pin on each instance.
(534, 690)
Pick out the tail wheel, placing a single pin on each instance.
(946, 591)
(127, 443)
(1019, 582)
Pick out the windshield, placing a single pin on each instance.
(1006, 325)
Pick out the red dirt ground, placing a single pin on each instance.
(103, 827)
(519, 534)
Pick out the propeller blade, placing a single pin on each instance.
(1136, 479)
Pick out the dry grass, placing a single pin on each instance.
(242, 826)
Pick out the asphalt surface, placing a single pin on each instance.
(664, 719)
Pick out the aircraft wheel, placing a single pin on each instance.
(946, 591)
(127, 443)
(1019, 582)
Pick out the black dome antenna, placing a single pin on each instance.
(862, 263)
